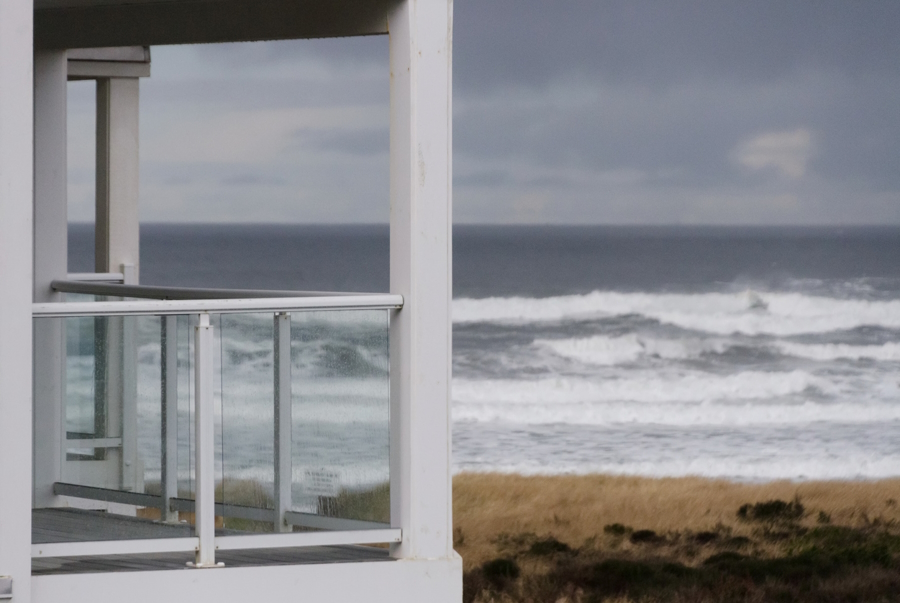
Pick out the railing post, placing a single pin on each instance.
(169, 420)
(132, 472)
(283, 466)
(204, 437)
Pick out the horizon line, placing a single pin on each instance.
(516, 224)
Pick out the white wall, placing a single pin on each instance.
(15, 293)
(373, 582)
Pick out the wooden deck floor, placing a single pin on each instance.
(73, 525)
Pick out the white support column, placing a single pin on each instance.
(50, 263)
(16, 223)
(283, 424)
(117, 234)
(169, 419)
(117, 249)
(205, 442)
(421, 216)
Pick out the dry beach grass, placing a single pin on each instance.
(600, 537)
(621, 539)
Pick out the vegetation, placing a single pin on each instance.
(366, 505)
(626, 539)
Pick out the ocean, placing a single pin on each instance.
(743, 353)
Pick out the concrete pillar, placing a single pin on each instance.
(16, 222)
(421, 219)
(50, 263)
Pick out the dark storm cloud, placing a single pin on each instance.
(599, 110)
(679, 84)
(532, 42)
(654, 42)
(690, 131)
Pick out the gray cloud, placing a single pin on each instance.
(665, 92)
(351, 142)
(637, 111)
(531, 42)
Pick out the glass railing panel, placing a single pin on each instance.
(183, 345)
(83, 415)
(109, 405)
(245, 426)
(341, 414)
(127, 413)
(82, 297)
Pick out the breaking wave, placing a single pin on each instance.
(649, 388)
(748, 313)
(677, 414)
(888, 352)
(608, 351)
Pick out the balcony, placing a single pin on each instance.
(143, 429)
(207, 426)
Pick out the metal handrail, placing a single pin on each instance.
(383, 301)
(157, 292)
(96, 277)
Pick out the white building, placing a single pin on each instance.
(114, 485)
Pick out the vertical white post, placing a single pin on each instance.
(205, 441)
(421, 70)
(117, 248)
(117, 232)
(169, 420)
(132, 469)
(16, 223)
(50, 262)
(283, 465)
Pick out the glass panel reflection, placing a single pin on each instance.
(245, 434)
(127, 409)
(341, 414)
(110, 405)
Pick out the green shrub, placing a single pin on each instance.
(548, 546)
(500, 570)
(616, 529)
(646, 537)
(772, 511)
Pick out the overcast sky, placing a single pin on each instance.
(575, 111)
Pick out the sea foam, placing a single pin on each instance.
(649, 387)
(888, 352)
(748, 312)
(603, 350)
(677, 414)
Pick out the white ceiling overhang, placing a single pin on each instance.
(102, 23)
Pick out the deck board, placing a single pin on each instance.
(76, 525)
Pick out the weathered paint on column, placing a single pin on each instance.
(421, 271)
